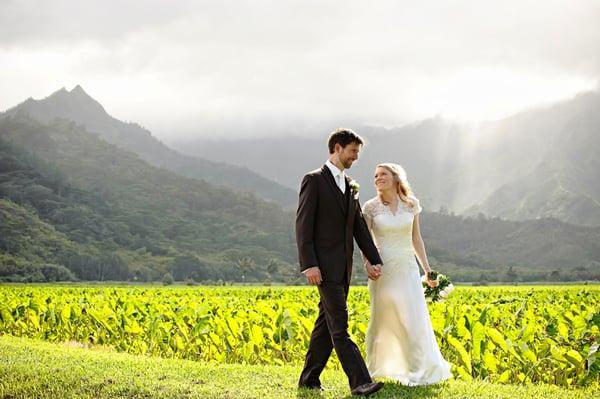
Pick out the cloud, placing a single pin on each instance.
(183, 66)
(38, 22)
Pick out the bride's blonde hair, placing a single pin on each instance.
(400, 182)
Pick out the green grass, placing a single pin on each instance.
(36, 369)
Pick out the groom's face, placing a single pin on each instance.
(348, 154)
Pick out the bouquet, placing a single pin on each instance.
(441, 291)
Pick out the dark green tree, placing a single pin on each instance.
(246, 266)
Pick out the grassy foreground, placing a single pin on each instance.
(37, 369)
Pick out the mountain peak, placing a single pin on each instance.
(76, 105)
(76, 94)
(60, 92)
(79, 99)
(78, 90)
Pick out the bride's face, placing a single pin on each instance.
(384, 180)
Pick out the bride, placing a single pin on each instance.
(400, 341)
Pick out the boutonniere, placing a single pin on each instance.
(354, 186)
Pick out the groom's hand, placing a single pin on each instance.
(374, 271)
(313, 275)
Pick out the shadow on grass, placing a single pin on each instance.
(307, 393)
(391, 389)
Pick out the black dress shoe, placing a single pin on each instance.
(367, 389)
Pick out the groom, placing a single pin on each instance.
(327, 220)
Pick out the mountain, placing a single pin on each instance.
(556, 172)
(73, 205)
(539, 163)
(78, 106)
(73, 201)
(480, 248)
(30, 246)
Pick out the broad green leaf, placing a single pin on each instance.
(527, 333)
(504, 377)
(257, 335)
(529, 355)
(557, 353)
(478, 334)
(5, 315)
(179, 344)
(497, 338)
(65, 313)
(490, 362)
(563, 331)
(32, 317)
(233, 325)
(464, 357)
(462, 329)
(134, 329)
(483, 315)
(464, 374)
(574, 357)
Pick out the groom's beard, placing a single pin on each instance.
(347, 163)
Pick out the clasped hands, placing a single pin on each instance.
(313, 274)
(373, 271)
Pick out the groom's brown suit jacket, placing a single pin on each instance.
(326, 223)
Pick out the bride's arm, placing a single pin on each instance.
(369, 222)
(369, 268)
(419, 246)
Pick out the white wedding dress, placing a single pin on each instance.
(400, 341)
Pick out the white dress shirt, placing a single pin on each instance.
(338, 175)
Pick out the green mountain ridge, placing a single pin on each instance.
(30, 246)
(78, 106)
(143, 217)
(492, 245)
(75, 206)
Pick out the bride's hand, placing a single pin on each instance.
(373, 271)
(432, 283)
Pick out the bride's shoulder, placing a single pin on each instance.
(371, 206)
(415, 204)
(371, 202)
(413, 199)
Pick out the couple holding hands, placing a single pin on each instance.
(400, 343)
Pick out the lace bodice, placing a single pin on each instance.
(391, 232)
(375, 207)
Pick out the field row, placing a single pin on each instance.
(498, 334)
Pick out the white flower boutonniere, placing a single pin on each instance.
(354, 186)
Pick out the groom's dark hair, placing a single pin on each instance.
(343, 137)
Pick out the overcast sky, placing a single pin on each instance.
(195, 67)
